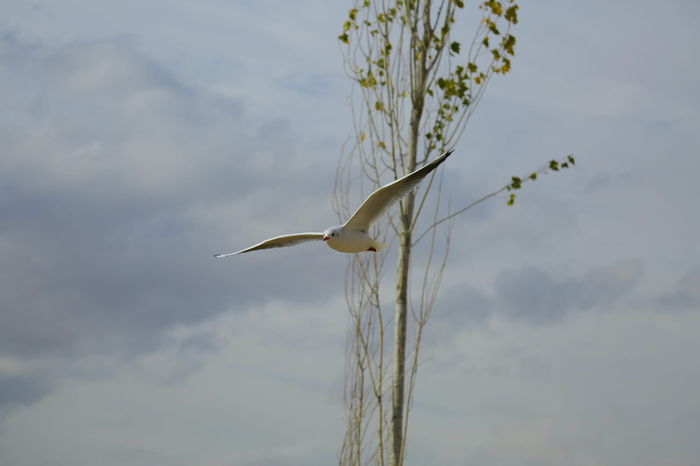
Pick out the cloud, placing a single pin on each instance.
(532, 295)
(685, 297)
(456, 311)
(21, 389)
(202, 382)
(119, 183)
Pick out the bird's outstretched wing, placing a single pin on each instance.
(379, 201)
(279, 242)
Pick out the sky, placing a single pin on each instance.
(137, 139)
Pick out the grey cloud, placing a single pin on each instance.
(113, 177)
(685, 297)
(531, 294)
(21, 389)
(309, 458)
(456, 310)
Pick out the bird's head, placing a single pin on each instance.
(332, 233)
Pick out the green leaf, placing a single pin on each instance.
(533, 176)
(554, 165)
(454, 46)
(512, 14)
(387, 48)
(509, 44)
(571, 159)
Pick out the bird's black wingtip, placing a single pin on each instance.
(444, 156)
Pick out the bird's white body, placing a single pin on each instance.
(344, 240)
(352, 236)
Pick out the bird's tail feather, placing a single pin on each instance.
(379, 246)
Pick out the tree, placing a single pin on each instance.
(415, 88)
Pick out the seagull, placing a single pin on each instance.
(352, 236)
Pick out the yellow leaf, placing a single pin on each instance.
(362, 136)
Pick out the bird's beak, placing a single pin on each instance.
(325, 238)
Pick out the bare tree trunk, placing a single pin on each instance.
(406, 212)
(417, 79)
(400, 318)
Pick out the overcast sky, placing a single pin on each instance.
(139, 138)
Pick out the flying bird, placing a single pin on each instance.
(353, 235)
